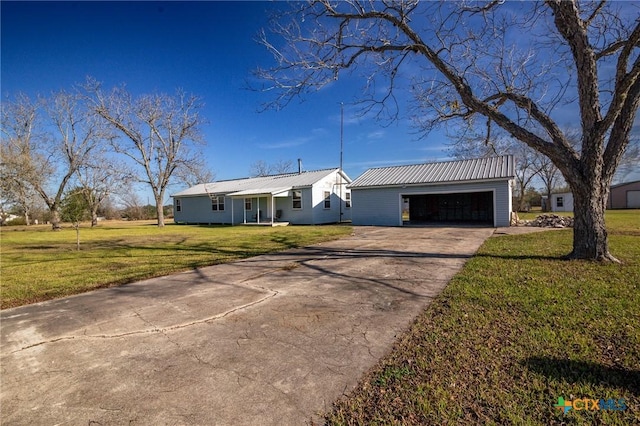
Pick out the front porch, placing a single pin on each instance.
(255, 201)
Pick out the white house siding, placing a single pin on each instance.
(198, 210)
(383, 206)
(320, 214)
(567, 202)
(303, 216)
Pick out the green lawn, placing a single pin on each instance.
(515, 330)
(39, 264)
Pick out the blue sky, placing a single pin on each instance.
(208, 49)
(205, 48)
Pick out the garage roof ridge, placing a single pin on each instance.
(488, 168)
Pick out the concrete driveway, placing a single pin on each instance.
(269, 340)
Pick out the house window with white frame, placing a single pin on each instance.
(560, 202)
(347, 200)
(248, 204)
(327, 199)
(297, 199)
(217, 204)
(178, 205)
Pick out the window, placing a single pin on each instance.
(217, 204)
(297, 199)
(327, 199)
(347, 200)
(560, 202)
(248, 204)
(178, 206)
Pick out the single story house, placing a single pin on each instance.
(562, 202)
(302, 198)
(624, 196)
(467, 191)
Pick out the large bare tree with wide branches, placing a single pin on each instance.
(525, 68)
(45, 142)
(159, 133)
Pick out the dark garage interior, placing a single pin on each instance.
(469, 207)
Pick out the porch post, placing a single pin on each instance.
(231, 210)
(258, 211)
(244, 209)
(272, 211)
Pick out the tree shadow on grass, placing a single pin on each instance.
(583, 372)
(522, 256)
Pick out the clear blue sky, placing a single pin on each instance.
(208, 49)
(205, 48)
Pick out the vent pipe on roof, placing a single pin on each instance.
(299, 165)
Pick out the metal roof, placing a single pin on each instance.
(259, 185)
(489, 168)
(624, 183)
(260, 191)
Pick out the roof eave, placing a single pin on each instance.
(452, 182)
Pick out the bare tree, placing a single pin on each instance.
(473, 145)
(526, 169)
(159, 133)
(101, 178)
(18, 167)
(133, 208)
(14, 191)
(262, 168)
(194, 173)
(549, 175)
(475, 67)
(46, 162)
(630, 162)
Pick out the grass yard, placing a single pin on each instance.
(514, 331)
(39, 264)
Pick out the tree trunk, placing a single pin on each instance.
(55, 219)
(520, 200)
(94, 218)
(547, 207)
(160, 211)
(590, 240)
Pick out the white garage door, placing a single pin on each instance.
(633, 199)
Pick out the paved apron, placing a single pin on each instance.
(273, 339)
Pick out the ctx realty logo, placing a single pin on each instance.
(589, 404)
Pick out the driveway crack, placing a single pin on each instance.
(154, 328)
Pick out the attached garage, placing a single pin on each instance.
(457, 207)
(476, 191)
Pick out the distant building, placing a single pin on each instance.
(562, 202)
(624, 196)
(621, 196)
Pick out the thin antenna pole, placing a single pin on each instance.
(341, 149)
(341, 132)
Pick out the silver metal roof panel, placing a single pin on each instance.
(488, 168)
(259, 185)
